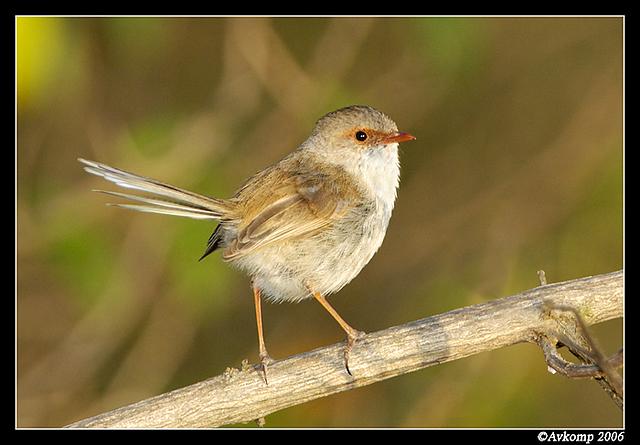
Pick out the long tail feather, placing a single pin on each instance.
(176, 201)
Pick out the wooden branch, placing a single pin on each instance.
(576, 337)
(240, 394)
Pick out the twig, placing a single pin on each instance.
(240, 395)
(584, 346)
(561, 366)
(542, 276)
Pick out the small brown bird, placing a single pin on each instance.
(305, 226)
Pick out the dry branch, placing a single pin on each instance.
(240, 395)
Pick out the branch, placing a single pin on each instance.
(585, 347)
(240, 395)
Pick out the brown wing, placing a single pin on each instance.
(298, 207)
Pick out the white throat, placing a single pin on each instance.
(381, 172)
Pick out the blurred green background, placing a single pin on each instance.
(517, 166)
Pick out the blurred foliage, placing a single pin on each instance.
(517, 166)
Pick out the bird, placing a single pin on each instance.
(303, 227)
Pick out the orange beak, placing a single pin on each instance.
(397, 136)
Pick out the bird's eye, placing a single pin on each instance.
(361, 136)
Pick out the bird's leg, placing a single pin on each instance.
(265, 359)
(352, 334)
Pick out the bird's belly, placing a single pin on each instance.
(323, 263)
